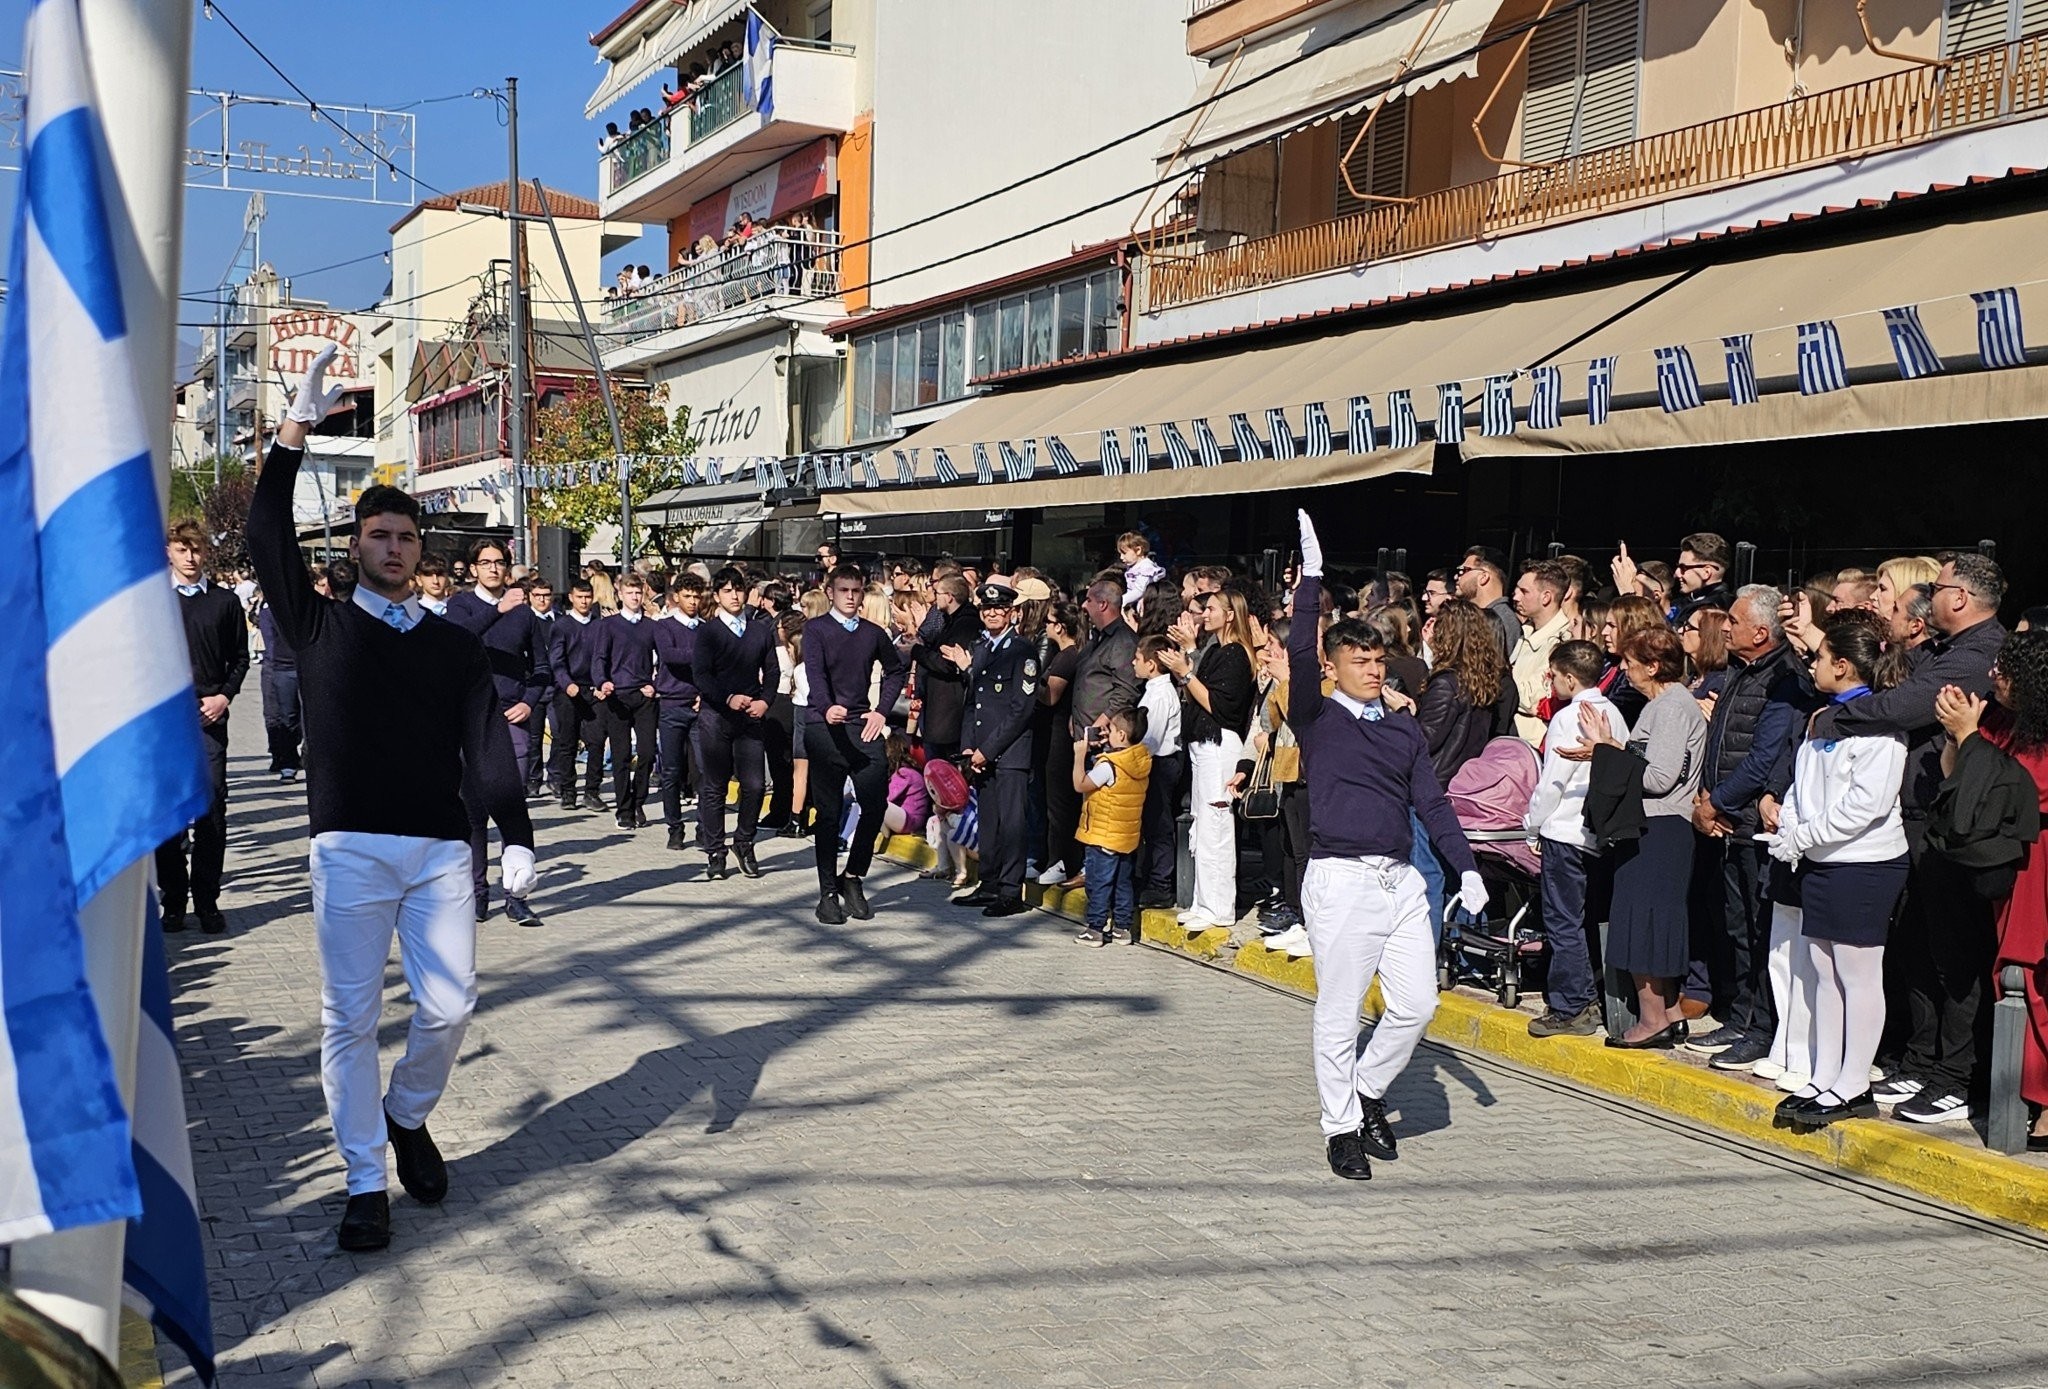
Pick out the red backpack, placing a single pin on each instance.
(947, 786)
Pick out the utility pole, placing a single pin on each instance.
(220, 380)
(515, 391)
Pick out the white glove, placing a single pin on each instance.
(1781, 848)
(1472, 893)
(313, 401)
(1311, 549)
(515, 870)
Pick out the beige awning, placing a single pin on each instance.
(683, 30)
(1270, 92)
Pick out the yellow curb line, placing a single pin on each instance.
(1970, 1179)
(139, 1368)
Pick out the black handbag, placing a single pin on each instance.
(1260, 799)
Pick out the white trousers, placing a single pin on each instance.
(1366, 916)
(365, 887)
(1210, 767)
(1793, 981)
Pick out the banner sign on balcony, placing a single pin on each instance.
(799, 180)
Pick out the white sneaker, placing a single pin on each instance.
(1792, 1082)
(1292, 942)
(1194, 925)
(1184, 916)
(1767, 1069)
(1053, 876)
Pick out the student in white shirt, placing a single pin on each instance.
(1158, 844)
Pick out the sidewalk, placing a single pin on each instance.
(1946, 1163)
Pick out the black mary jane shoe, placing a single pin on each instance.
(1793, 1108)
(1827, 1107)
(1663, 1039)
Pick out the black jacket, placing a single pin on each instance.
(1614, 797)
(1762, 710)
(1454, 727)
(1004, 686)
(941, 684)
(1964, 661)
(1984, 815)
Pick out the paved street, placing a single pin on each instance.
(698, 1139)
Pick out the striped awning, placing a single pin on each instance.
(691, 24)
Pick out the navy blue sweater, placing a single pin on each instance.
(675, 648)
(571, 647)
(726, 665)
(839, 664)
(625, 652)
(1363, 775)
(516, 643)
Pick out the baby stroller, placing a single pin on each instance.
(1490, 795)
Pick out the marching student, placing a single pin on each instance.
(436, 585)
(1112, 795)
(217, 639)
(842, 653)
(576, 714)
(401, 713)
(675, 693)
(1002, 683)
(280, 681)
(623, 667)
(1363, 902)
(540, 596)
(735, 666)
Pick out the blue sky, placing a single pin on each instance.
(385, 53)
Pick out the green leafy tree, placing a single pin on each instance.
(222, 507)
(576, 430)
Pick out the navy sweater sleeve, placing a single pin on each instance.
(489, 766)
(1433, 808)
(274, 550)
(1305, 657)
(540, 676)
(601, 658)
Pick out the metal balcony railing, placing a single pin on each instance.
(637, 154)
(718, 103)
(776, 262)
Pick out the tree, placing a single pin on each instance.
(222, 508)
(576, 430)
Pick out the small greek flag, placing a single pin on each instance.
(1249, 445)
(691, 477)
(1316, 429)
(1017, 467)
(759, 62)
(712, 469)
(1497, 406)
(1063, 461)
(1113, 462)
(870, 475)
(1363, 437)
(1402, 431)
(1911, 346)
(1450, 413)
(1741, 369)
(942, 466)
(1206, 447)
(1141, 449)
(982, 471)
(1678, 381)
(1821, 365)
(1546, 398)
(779, 479)
(1281, 434)
(1177, 451)
(1599, 389)
(2000, 340)
(906, 472)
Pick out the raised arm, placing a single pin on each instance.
(1304, 637)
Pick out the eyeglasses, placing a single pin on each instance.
(490, 564)
(1959, 588)
(1697, 564)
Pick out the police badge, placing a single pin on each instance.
(1030, 673)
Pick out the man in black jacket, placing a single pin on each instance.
(1701, 575)
(942, 686)
(735, 667)
(217, 635)
(1104, 682)
(1002, 673)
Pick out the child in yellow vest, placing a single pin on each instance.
(1112, 813)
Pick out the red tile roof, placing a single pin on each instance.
(492, 195)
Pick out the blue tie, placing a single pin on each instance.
(191, 590)
(1373, 713)
(394, 616)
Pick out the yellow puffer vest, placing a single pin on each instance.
(1112, 816)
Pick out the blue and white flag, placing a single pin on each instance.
(1363, 435)
(1911, 346)
(1112, 454)
(1450, 413)
(759, 62)
(99, 724)
(870, 476)
(1822, 367)
(982, 471)
(2000, 340)
(1280, 434)
(906, 471)
(942, 466)
(691, 477)
(1599, 389)
(1141, 449)
(1546, 398)
(1678, 381)
(1206, 447)
(1497, 406)
(1178, 454)
(1316, 430)
(1250, 447)
(1063, 461)
(1402, 430)
(1741, 369)
(1014, 464)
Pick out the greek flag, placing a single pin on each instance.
(870, 476)
(906, 471)
(1177, 451)
(99, 730)
(1281, 432)
(1363, 437)
(1599, 389)
(982, 471)
(2000, 342)
(1141, 449)
(1450, 413)
(1741, 369)
(778, 476)
(1249, 446)
(1546, 398)
(1316, 429)
(942, 466)
(691, 477)
(1821, 366)
(759, 62)
(1497, 406)
(1910, 344)
(1113, 461)
(1017, 467)
(1063, 461)
(1206, 447)
(1402, 431)
(1678, 381)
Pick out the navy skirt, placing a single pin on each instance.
(1850, 903)
(1649, 923)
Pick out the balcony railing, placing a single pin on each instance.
(635, 154)
(718, 103)
(789, 262)
(1985, 87)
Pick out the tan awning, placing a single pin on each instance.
(1337, 76)
(678, 34)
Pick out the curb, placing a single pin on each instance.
(1973, 1180)
(139, 1368)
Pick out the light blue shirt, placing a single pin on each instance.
(736, 624)
(403, 616)
(1371, 713)
(851, 624)
(190, 590)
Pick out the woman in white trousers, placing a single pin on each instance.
(1218, 690)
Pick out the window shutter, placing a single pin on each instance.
(1380, 164)
(1552, 93)
(2033, 16)
(1583, 80)
(1972, 24)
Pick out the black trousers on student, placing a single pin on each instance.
(677, 737)
(577, 720)
(837, 754)
(209, 839)
(629, 727)
(779, 744)
(728, 749)
(1159, 844)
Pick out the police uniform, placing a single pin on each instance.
(1002, 692)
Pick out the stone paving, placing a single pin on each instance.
(697, 1138)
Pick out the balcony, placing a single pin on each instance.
(781, 267)
(1214, 24)
(719, 137)
(241, 327)
(241, 395)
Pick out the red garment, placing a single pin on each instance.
(2023, 919)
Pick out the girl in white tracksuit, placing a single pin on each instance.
(1840, 828)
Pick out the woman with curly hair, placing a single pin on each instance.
(1627, 617)
(1468, 697)
(2017, 725)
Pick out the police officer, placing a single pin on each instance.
(995, 743)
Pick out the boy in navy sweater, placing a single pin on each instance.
(1365, 906)
(841, 652)
(675, 692)
(624, 670)
(577, 716)
(736, 670)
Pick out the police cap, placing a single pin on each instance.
(995, 595)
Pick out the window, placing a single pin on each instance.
(928, 362)
(1105, 312)
(1071, 338)
(1012, 355)
(864, 389)
(1969, 24)
(906, 367)
(1379, 164)
(349, 479)
(984, 319)
(1583, 71)
(1038, 328)
(884, 381)
(953, 356)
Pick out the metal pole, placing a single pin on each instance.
(604, 381)
(140, 56)
(220, 382)
(516, 326)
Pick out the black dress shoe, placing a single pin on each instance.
(1374, 1131)
(211, 921)
(980, 897)
(1348, 1158)
(624, 819)
(519, 913)
(174, 922)
(366, 1224)
(675, 838)
(1827, 1107)
(569, 801)
(483, 909)
(639, 818)
(1792, 1106)
(715, 869)
(830, 911)
(1662, 1040)
(855, 899)
(1006, 906)
(596, 804)
(420, 1169)
(793, 830)
(743, 854)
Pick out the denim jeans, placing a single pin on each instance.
(1111, 884)
(1423, 857)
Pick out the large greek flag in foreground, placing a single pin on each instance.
(99, 728)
